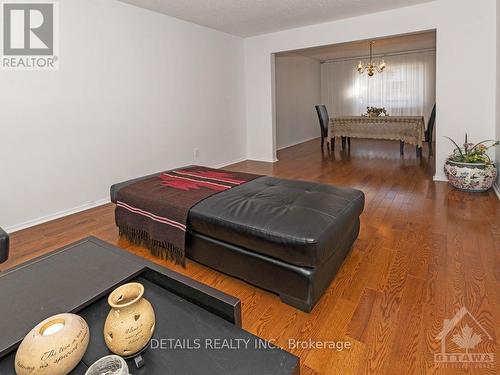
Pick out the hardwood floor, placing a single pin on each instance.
(424, 251)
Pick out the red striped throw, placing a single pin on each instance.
(154, 211)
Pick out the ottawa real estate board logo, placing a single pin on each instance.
(465, 342)
(30, 35)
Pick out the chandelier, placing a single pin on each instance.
(371, 67)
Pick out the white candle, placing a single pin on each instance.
(54, 328)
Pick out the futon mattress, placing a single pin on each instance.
(297, 222)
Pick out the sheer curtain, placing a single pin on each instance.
(407, 87)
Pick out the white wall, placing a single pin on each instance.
(465, 95)
(136, 92)
(298, 90)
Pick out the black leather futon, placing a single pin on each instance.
(286, 236)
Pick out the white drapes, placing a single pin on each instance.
(407, 87)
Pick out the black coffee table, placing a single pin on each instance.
(198, 327)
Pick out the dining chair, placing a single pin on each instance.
(323, 123)
(4, 246)
(430, 129)
(324, 119)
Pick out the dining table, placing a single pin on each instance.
(405, 129)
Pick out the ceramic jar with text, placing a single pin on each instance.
(131, 322)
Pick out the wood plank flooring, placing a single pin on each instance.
(424, 251)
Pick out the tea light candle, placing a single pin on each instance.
(53, 328)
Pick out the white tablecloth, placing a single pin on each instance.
(409, 129)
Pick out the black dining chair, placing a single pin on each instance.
(430, 129)
(324, 119)
(4, 246)
(323, 122)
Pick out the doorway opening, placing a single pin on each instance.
(400, 84)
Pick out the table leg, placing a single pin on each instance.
(343, 143)
(419, 152)
(349, 142)
(332, 144)
(401, 148)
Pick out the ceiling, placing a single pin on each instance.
(253, 17)
(383, 46)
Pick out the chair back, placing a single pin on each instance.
(323, 119)
(4, 246)
(430, 125)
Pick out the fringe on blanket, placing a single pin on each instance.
(160, 249)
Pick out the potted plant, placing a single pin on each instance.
(470, 168)
(376, 112)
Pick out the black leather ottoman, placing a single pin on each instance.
(4, 245)
(286, 236)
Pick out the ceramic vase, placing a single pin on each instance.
(471, 177)
(109, 365)
(54, 347)
(131, 322)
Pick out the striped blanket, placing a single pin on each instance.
(154, 211)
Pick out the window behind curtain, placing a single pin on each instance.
(407, 87)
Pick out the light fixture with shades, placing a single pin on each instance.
(370, 68)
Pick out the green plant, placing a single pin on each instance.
(472, 153)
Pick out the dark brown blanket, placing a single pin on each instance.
(154, 211)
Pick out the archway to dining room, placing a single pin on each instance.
(369, 100)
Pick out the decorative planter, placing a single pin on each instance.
(110, 365)
(54, 347)
(470, 177)
(131, 322)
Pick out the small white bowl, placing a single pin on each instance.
(109, 365)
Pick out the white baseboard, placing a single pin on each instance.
(222, 165)
(83, 207)
(57, 215)
(496, 188)
(297, 143)
(439, 178)
(263, 160)
(100, 202)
